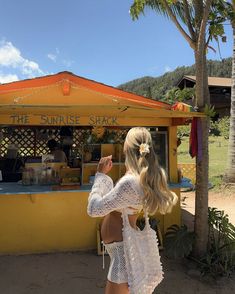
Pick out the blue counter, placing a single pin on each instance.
(18, 188)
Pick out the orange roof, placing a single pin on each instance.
(45, 81)
(66, 93)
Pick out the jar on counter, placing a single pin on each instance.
(27, 177)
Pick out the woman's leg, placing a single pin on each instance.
(114, 288)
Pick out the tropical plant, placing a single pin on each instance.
(199, 22)
(170, 96)
(178, 242)
(220, 257)
(220, 127)
(183, 131)
(176, 94)
(230, 170)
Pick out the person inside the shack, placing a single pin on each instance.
(144, 186)
(59, 155)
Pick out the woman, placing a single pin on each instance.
(59, 155)
(144, 184)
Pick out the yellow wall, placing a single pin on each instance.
(54, 221)
(175, 216)
(58, 221)
(171, 218)
(50, 222)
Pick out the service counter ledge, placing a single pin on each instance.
(12, 188)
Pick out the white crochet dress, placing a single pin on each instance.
(104, 198)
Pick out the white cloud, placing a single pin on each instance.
(11, 57)
(52, 57)
(8, 78)
(56, 57)
(67, 62)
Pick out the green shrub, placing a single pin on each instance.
(220, 257)
(175, 94)
(214, 128)
(183, 131)
(217, 128)
(220, 127)
(223, 126)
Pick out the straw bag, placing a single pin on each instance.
(141, 252)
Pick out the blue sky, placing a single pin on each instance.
(95, 39)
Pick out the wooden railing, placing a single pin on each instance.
(188, 170)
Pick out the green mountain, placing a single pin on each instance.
(157, 87)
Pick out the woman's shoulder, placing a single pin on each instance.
(129, 177)
(131, 180)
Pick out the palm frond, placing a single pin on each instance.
(178, 9)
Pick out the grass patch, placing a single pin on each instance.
(218, 150)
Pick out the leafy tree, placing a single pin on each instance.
(176, 94)
(198, 21)
(171, 95)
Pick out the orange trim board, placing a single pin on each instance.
(129, 112)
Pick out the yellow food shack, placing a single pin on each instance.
(43, 203)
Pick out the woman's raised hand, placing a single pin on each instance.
(105, 164)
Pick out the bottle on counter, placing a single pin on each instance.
(27, 177)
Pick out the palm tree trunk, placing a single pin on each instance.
(230, 169)
(202, 164)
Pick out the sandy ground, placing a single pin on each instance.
(81, 273)
(224, 200)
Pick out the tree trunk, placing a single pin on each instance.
(201, 199)
(229, 176)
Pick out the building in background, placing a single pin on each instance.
(220, 93)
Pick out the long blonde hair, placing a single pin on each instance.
(141, 160)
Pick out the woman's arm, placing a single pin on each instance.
(124, 194)
(102, 184)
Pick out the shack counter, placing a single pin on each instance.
(46, 218)
(41, 220)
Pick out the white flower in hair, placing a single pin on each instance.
(144, 148)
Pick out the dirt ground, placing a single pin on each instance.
(224, 200)
(81, 273)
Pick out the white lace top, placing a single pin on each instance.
(105, 198)
(138, 261)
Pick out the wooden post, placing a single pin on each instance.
(175, 216)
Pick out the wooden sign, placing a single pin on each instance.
(76, 120)
(58, 120)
